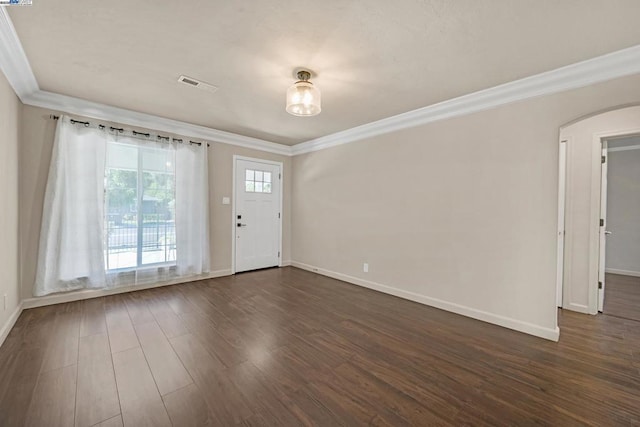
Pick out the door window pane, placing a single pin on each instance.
(257, 181)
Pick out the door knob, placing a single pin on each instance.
(242, 225)
(607, 232)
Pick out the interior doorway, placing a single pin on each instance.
(257, 214)
(621, 203)
(583, 226)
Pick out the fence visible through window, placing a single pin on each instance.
(140, 207)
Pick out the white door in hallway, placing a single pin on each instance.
(257, 214)
(603, 226)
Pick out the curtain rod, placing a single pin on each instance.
(121, 130)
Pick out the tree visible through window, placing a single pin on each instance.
(139, 206)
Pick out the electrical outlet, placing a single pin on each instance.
(365, 267)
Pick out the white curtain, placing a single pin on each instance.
(192, 209)
(71, 252)
(72, 240)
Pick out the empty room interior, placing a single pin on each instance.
(319, 213)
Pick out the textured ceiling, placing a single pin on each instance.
(373, 58)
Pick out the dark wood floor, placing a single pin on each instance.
(622, 296)
(285, 347)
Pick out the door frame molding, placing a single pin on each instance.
(596, 136)
(280, 165)
(602, 236)
(562, 200)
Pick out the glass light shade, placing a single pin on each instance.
(303, 99)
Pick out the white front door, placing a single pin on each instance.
(257, 214)
(603, 227)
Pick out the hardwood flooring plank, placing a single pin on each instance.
(256, 420)
(393, 406)
(166, 367)
(379, 421)
(140, 401)
(200, 300)
(311, 411)
(282, 374)
(169, 322)
(40, 329)
(261, 397)
(97, 398)
(15, 404)
(187, 408)
(19, 358)
(62, 349)
(122, 336)
(257, 330)
(92, 319)
(200, 326)
(111, 422)
(54, 398)
(622, 296)
(332, 344)
(137, 308)
(351, 410)
(411, 382)
(178, 303)
(223, 398)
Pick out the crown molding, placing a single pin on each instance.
(13, 61)
(602, 68)
(81, 107)
(15, 66)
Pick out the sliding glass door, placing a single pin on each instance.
(139, 207)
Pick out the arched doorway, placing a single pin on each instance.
(582, 210)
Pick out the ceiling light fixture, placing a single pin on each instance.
(303, 98)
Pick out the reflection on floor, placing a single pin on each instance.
(622, 296)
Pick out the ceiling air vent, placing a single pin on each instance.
(189, 81)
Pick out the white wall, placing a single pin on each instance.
(10, 111)
(460, 214)
(623, 212)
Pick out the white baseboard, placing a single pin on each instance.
(96, 293)
(622, 272)
(507, 322)
(8, 325)
(285, 263)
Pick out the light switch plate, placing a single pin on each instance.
(226, 201)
